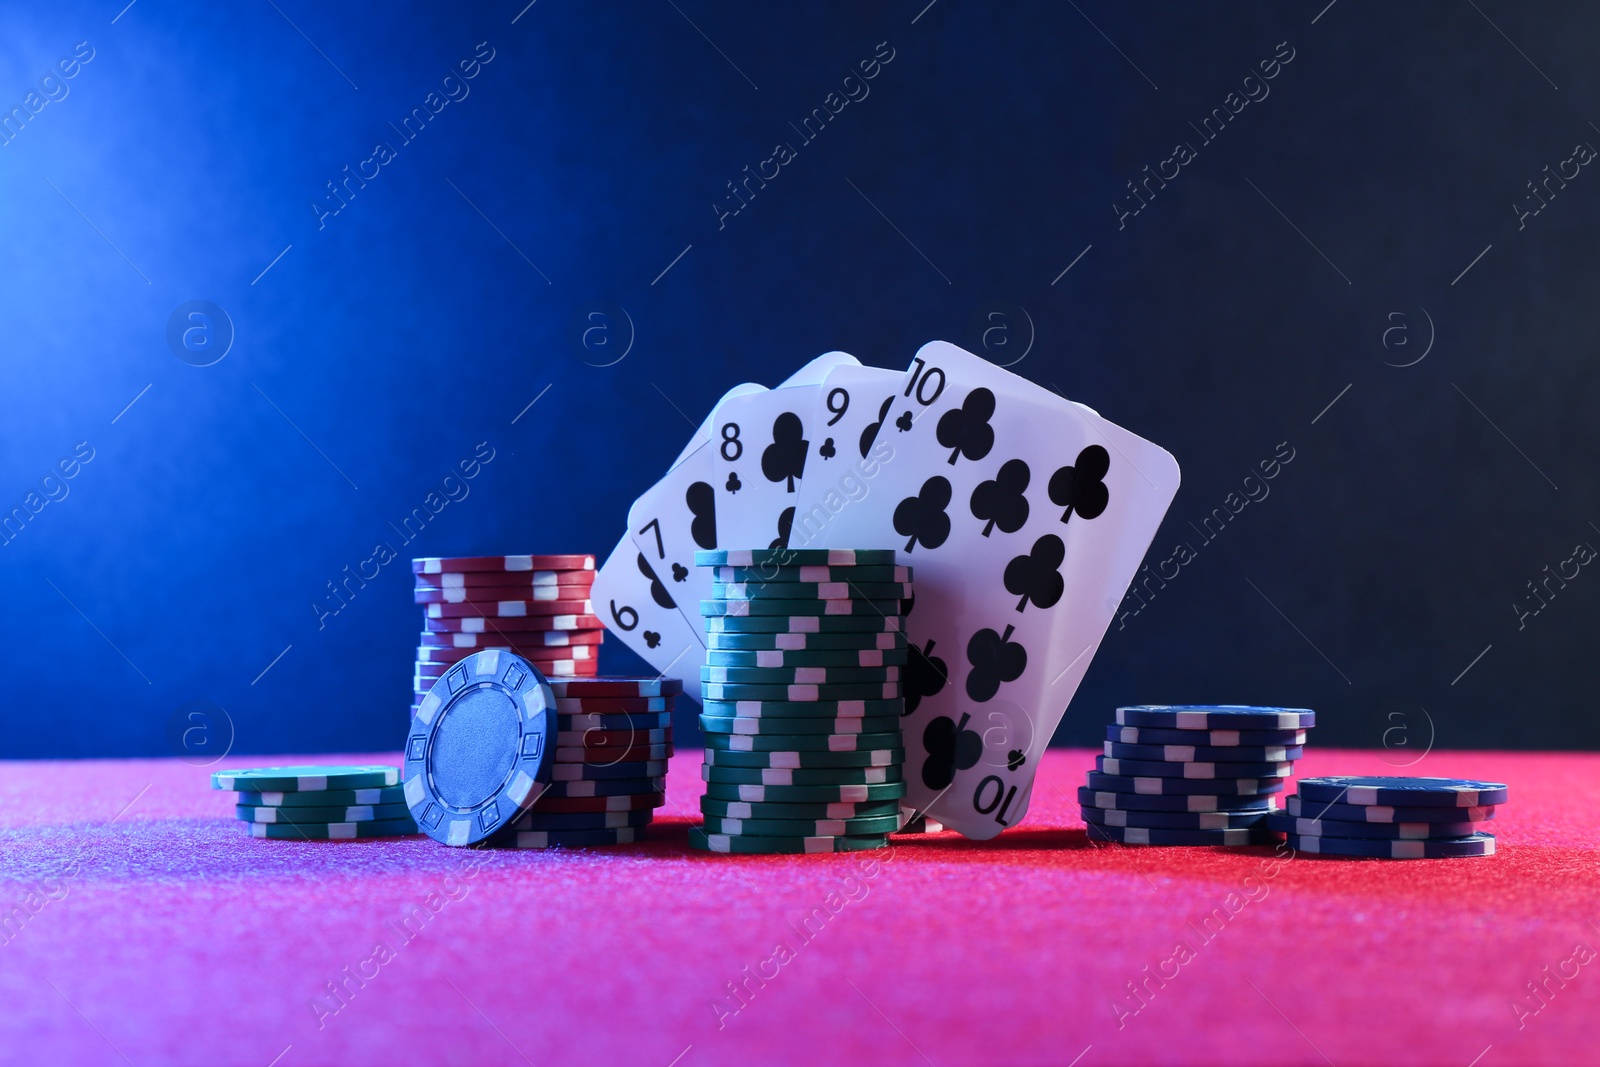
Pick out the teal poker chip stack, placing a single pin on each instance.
(1192, 774)
(319, 803)
(802, 701)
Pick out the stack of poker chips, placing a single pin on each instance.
(319, 803)
(535, 606)
(613, 739)
(1192, 774)
(802, 700)
(1391, 817)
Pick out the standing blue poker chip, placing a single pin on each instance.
(1407, 792)
(480, 747)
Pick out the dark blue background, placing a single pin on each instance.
(381, 348)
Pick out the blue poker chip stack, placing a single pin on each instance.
(1187, 774)
(802, 701)
(1391, 817)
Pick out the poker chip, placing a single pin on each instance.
(570, 838)
(812, 574)
(804, 794)
(698, 838)
(1142, 835)
(793, 760)
(658, 720)
(516, 564)
(803, 743)
(1373, 848)
(1377, 813)
(1113, 783)
(784, 659)
(740, 809)
(580, 772)
(535, 579)
(1177, 820)
(516, 640)
(536, 653)
(493, 595)
(605, 757)
(607, 787)
(305, 779)
(799, 693)
(803, 624)
(580, 820)
(600, 740)
(1216, 717)
(1408, 792)
(833, 591)
(804, 776)
(1195, 802)
(788, 609)
(326, 798)
(794, 557)
(783, 709)
(333, 831)
(613, 705)
(511, 609)
(786, 676)
(618, 687)
(353, 813)
(1154, 735)
(1204, 753)
(795, 724)
(477, 624)
(1159, 769)
(882, 824)
(479, 748)
(832, 641)
(622, 802)
(423, 677)
(1391, 831)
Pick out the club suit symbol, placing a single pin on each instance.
(921, 518)
(733, 484)
(784, 459)
(1035, 575)
(870, 434)
(785, 524)
(702, 503)
(1081, 487)
(658, 592)
(951, 747)
(925, 675)
(995, 658)
(826, 450)
(1000, 500)
(966, 430)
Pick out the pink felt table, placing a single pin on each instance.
(142, 925)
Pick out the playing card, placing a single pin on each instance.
(759, 450)
(1025, 516)
(845, 419)
(638, 608)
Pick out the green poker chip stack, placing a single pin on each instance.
(803, 701)
(319, 803)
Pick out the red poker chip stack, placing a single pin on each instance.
(535, 606)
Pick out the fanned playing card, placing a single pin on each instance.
(846, 417)
(638, 608)
(1025, 517)
(760, 445)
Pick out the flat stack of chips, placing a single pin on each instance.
(319, 803)
(1192, 774)
(802, 700)
(613, 739)
(535, 606)
(1391, 817)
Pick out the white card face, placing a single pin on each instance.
(813, 373)
(1025, 516)
(676, 516)
(844, 424)
(636, 607)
